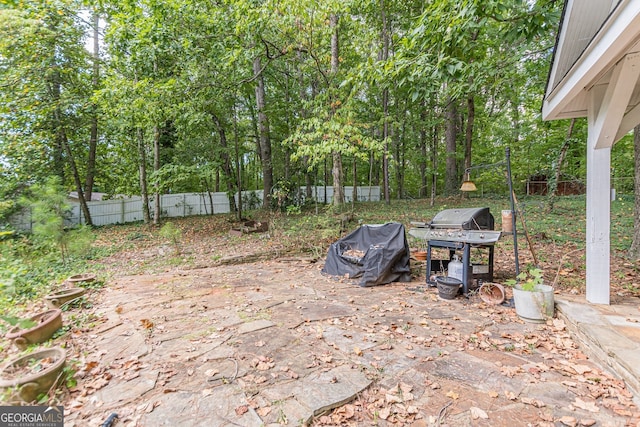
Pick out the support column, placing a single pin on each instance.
(598, 211)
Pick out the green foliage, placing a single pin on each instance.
(180, 73)
(250, 200)
(528, 280)
(21, 323)
(49, 209)
(172, 233)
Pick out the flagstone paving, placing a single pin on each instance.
(276, 343)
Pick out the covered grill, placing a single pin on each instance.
(459, 230)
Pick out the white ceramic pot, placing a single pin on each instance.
(534, 306)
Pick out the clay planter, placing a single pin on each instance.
(47, 323)
(22, 374)
(420, 255)
(80, 279)
(492, 293)
(57, 299)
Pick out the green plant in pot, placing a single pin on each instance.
(532, 298)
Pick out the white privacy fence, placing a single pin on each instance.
(129, 209)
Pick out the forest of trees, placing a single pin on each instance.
(152, 96)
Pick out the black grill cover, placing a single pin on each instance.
(385, 259)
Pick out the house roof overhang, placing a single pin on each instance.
(594, 36)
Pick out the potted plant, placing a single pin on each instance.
(419, 249)
(532, 298)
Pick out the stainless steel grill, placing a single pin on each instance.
(459, 230)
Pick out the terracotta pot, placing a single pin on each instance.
(47, 323)
(492, 293)
(27, 387)
(420, 255)
(57, 299)
(79, 279)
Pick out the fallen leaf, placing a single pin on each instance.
(510, 395)
(211, 372)
(326, 358)
(146, 323)
(452, 394)
(568, 421)
(384, 413)
(581, 369)
(151, 407)
(588, 422)
(130, 376)
(588, 406)
(263, 411)
(478, 413)
(533, 402)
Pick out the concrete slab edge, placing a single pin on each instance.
(605, 357)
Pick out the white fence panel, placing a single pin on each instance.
(174, 205)
(129, 209)
(365, 193)
(221, 203)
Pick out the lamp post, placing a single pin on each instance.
(468, 185)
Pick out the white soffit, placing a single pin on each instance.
(581, 63)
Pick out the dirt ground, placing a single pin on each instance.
(226, 330)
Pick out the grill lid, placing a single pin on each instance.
(465, 219)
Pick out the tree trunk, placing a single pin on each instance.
(354, 197)
(93, 137)
(263, 129)
(142, 175)
(422, 165)
(58, 149)
(400, 153)
(384, 35)
(227, 168)
(302, 94)
(434, 165)
(336, 169)
(468, 137)
(386, 188)
(236, 143)
(156, 168)
(553, 193)
(451, 133)
(634, 250)
(76, 177)
(62, 143)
